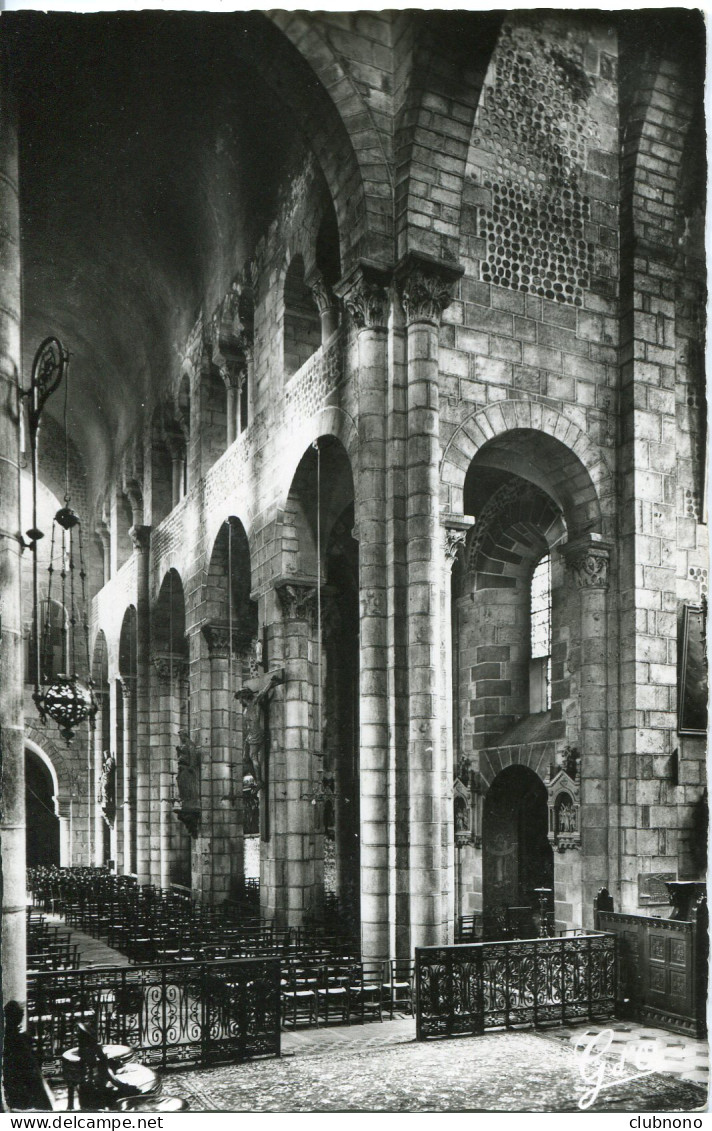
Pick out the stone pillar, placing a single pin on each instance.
(326, 304)
(104, 538)
(426, 289)
(12, 812)
(169, 676)
(141, 538)
(232, 403)
(232, 363)
(588, 561)
(223, 767)
(454, 533)
(125, 815)
(295, 849)
(366, 298)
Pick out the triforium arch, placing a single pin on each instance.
(531, 653)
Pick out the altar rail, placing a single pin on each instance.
(464, 990)
(172, 1014)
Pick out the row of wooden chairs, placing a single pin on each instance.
(339, 991)
(48, 946)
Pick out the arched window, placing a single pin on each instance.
(302, 325)
(540, 637)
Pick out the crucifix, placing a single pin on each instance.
(255, 695)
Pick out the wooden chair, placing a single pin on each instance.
(366, 990)
(299, 994)
(398, 985)
(333, 991)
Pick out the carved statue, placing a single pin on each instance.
(107, 789)
(567, 816)
(462, 824)
(188, 775)
(570, 761)
(255, 696)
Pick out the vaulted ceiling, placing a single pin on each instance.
(150, 154)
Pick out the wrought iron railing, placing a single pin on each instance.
(463, 990)
(178, 1013)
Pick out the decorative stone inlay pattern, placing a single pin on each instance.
(535, 118)
(307, 391)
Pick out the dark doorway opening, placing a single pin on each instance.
(516, 855)
(42, 823)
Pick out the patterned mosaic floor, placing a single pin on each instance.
(496, 1072)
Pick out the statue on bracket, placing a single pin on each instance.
(564, 802)
(107, 789)
(462, 813)
(188, 783)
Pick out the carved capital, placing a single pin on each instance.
(217, 637)
(455, 528)
(297, 598)
(453, 542)
(426, 288)
(141, 538)
(589, 562)
(127, 683)
(169, 665)
(366, 297)
(321, 291)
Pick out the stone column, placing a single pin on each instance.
(366, 298)
(454, 533)
(326, 304)
(125, 801)
(104, 538)
(426, 289)
(169, 676)
(141, 538)
(588, 560)
(296, 850)
(232, 364)
(224, 767)
(12, 812)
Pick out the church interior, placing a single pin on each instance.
(353, 516)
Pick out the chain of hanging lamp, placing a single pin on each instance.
(324, 790)
(61, 696)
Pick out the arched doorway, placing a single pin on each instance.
(42, 822)
(517, 856)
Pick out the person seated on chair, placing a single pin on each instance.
(24, 1087)
(100, 1087)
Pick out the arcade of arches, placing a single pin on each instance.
(387, 436)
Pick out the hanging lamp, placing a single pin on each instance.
(63, 697)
